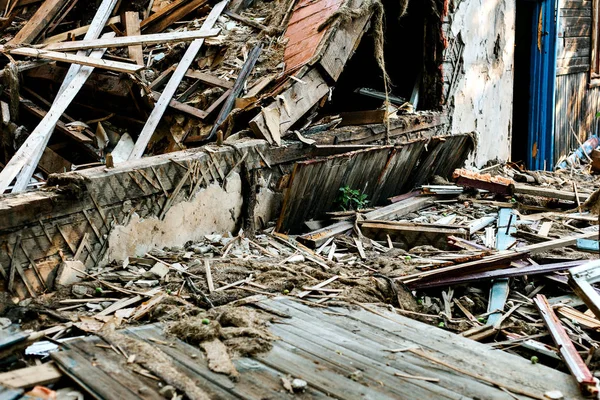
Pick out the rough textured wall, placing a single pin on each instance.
(482, 99)
(215, 209)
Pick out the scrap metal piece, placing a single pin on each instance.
(587, 383)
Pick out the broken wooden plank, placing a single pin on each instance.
(95, 62)
(587, 382)
(492, 262)
(126, 41)
(208, 79)
(132, 28)
(317, 286)
(549, 193)
(39, 21)
(557, 243)
(118, 305)
(297, 100)
(316, 238)
(410, 235)
(240, 82)
(169, 91)
(28, 155)
(25, 378)
(444, 281)
(186, 108)
(163, 21)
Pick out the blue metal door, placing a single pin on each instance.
(542, 87)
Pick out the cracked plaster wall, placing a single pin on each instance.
(484, 96)
(212, 210)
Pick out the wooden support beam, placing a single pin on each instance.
(169, 91)
(39, 21)
(163, 12)
(175, 14)
(116, 66)
(208, 79)
(237, 89)
(25, 160)
(132, 28)
(29, 154)
(127, 41)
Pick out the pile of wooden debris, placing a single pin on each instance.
(496, 261)
(150, 77)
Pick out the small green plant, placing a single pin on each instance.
(534, 360)
(352, 199)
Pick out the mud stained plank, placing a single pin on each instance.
(39, 22)
(323, 375)
(377, 371)
(412, 235)
(398, 332)
(96, 382)
(362, 342)
(257, 381)
(113, 364)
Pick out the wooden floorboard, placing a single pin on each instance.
(396, 332)
(257, 381)
(341, 353)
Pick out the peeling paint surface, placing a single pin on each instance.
(211, 210)
(484, 96)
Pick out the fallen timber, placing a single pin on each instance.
(46, 223)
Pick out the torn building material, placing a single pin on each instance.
(587, 382)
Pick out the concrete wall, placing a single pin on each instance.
(483, 97)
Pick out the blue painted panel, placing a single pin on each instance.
(504, 239)
(588, 244)
(542, 88)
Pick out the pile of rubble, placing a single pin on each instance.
(508, 265)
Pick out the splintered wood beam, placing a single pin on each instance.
(94, 31)
(132, 29)
(22, 165)
(237, 88)
(126, 41)
(183, 8)
(193, 111)
(318, 237)
(275, 119)
(169, 90)
(25, 160)
(162, 13)
(39, 22)
(116, 66)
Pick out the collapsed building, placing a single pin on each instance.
(171, 167)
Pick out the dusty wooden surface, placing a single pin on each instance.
(340, 353)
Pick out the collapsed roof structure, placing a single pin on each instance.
(156, 154)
